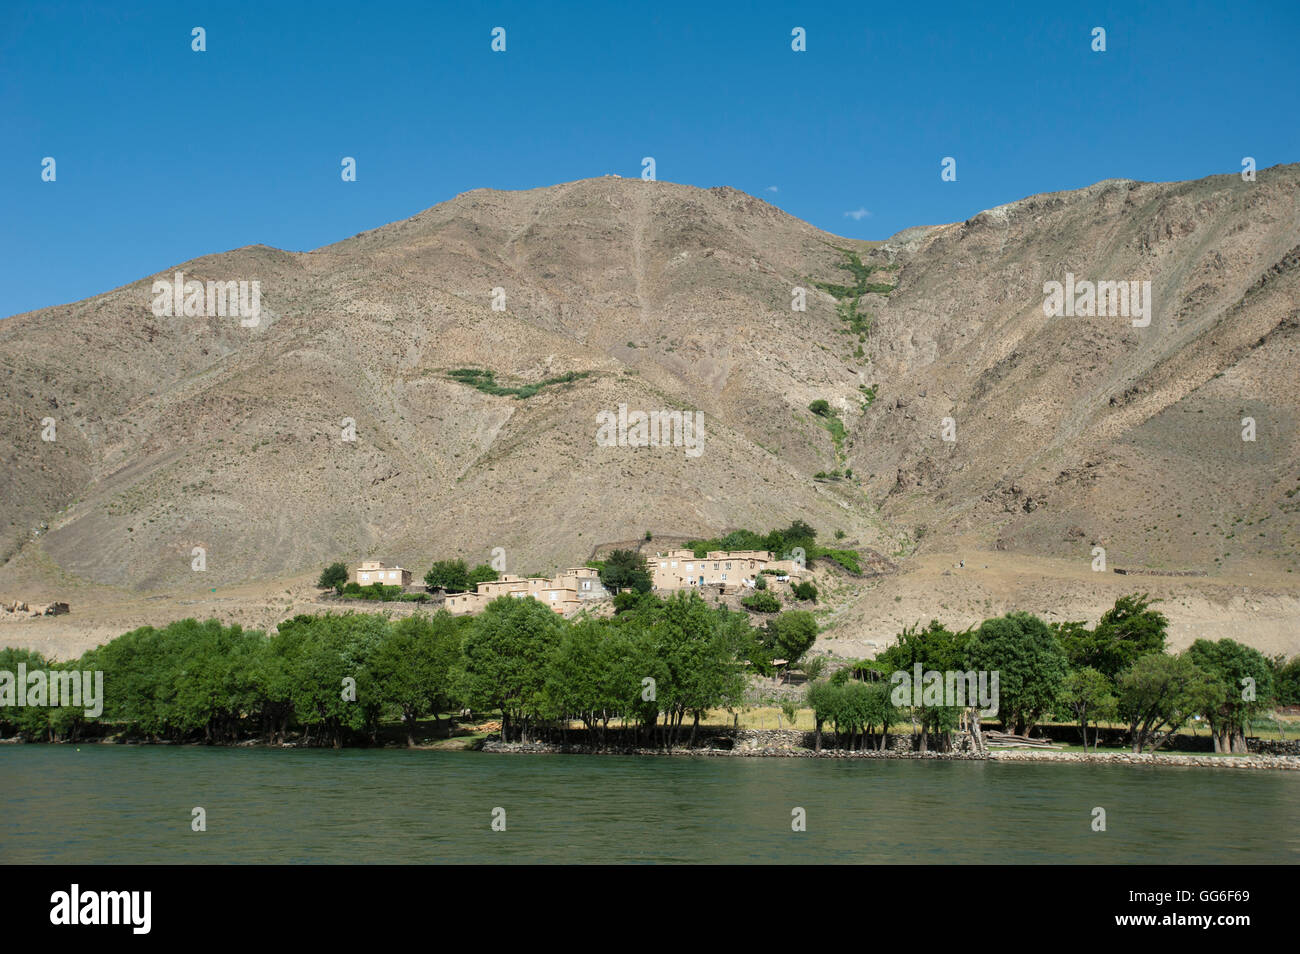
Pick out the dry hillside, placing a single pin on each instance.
(1071, 432)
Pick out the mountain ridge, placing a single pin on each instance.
(1071, 433)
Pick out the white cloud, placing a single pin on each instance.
(771, 189)
(857, 215)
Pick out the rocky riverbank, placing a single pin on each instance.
(790, 744)
(1290, 762)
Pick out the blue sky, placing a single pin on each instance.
(164, 154)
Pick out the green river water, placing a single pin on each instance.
(132, 804)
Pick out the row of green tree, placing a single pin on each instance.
(336, 678)
(1118, 670)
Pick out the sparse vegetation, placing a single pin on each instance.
(485, 380)
(848, 296)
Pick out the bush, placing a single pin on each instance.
(820, 407)
(375, 591)
(761, 602)
(805, 591)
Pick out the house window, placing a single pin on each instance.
(586, 584)
(674, 564)
(728, 566)
(365, 576)
(724, 577)
(690, 568)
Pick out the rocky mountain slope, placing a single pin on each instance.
(1070, 432)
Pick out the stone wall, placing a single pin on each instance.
(1273, 746)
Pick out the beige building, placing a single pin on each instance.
(584, 580)
(460, 603)
(787, 567)
(376, 571)
(558, 594)
(681, 569)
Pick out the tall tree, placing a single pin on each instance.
(412, 665)
(1031, 666)
(451, 576)
(505, 657)
(1243, 688)
(1158, 694)
(333, 577)
(1087, 695)
(625, 569)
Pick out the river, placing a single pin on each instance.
(133, 804)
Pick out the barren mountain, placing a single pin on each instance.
(1070, 432)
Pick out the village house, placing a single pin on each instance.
(672, 570)
(376, 571)
(558, 594)
(584, 580)
(681, 569)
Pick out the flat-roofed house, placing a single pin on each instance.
(681, 569)
(460, 603)
(557, 593)
(376, 571)
(562, 599)
(584, 580)
(506, 584)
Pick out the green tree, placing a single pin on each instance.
(1287, 682)
(935, 649)
(451, 576)
(333, 577)
(332, 686)
(1030, 663)
(805, 591)
(824, 698)
(1127, 631)
(1159, 693)
(792, 634)
(481, 574)
(1086, 694)
(699, 649)
(1243, 688)
(412, 666)
(506, 656)
(625, 569)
